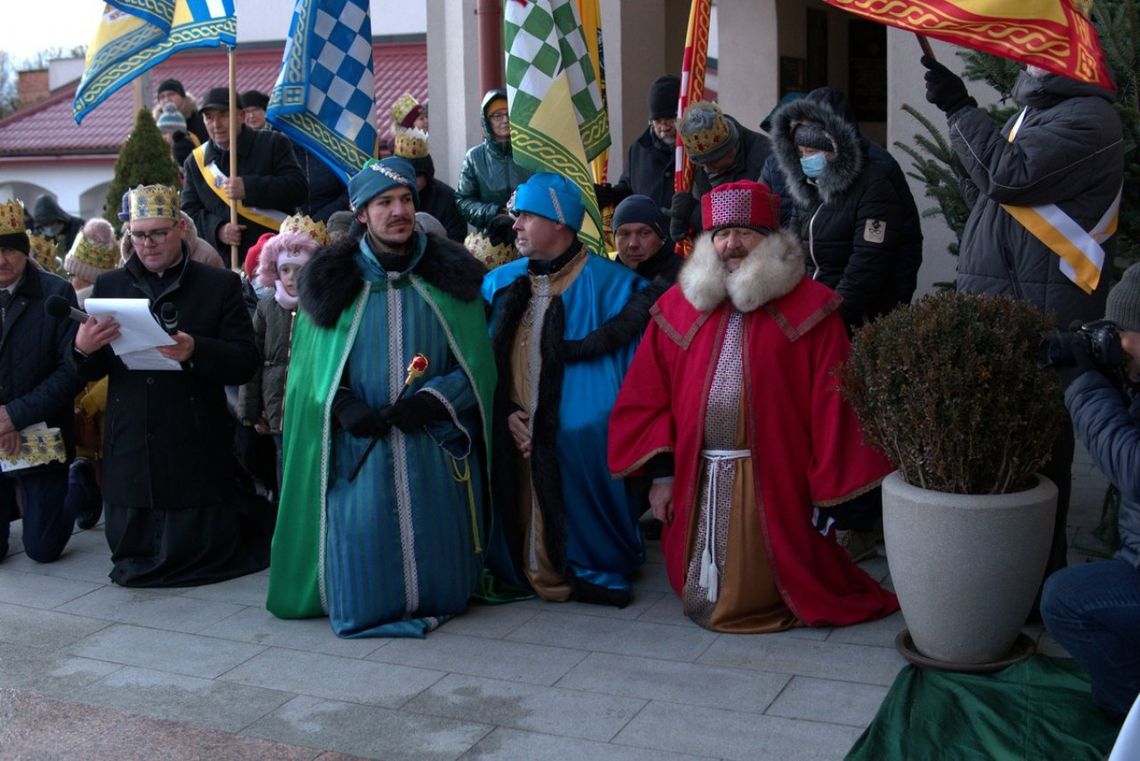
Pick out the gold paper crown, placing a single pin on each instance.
(703, 129)
(411, 143)
(40, 248)
(11, 217)
(90, 252)
(405, 110)
(301, 223)
(154, 202)
(488, 253)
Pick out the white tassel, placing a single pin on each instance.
(706, 561)
(714, 583)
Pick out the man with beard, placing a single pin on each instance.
(649, 163)
(381, 522)
(268, 187)
(564, 325)
(730, 404)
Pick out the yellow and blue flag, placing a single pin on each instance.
(135, 35)
(325, 95)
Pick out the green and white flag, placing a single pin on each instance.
(558, 121)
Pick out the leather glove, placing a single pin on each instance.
(945, 89)
(358, 418)
(1082, 362)
(416, 411)
(606, 195)
(681, 214)
(500, 230)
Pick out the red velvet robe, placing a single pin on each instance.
(806, 441)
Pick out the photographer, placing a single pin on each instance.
(1093, 610)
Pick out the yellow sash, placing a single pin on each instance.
(1082, 258)
(270, 218)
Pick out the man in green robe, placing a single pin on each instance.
(382, 523)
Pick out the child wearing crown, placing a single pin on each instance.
(261, 401)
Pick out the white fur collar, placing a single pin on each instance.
(770, 270)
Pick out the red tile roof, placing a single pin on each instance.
(48, 128)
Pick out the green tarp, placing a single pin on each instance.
(1036, 710)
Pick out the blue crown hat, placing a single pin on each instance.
(379, 175)
(552, 196)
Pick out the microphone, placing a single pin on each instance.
(59, 308)
(168, 316)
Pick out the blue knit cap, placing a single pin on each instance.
(378, 176)
(552, 196)
(643, 209)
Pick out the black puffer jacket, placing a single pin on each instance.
(438, 199)
(649, 169)
(489, 174)
(1069, 152)
(849, 219)
(38, 382)
(910, 243)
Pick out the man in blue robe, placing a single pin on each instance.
(564, 326)
(381, 523)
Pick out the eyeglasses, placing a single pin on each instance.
(157, 237)
(499, 116)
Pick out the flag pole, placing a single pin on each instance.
(925, 45)
(235, 117)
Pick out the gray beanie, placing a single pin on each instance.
(1123, 306)
(171, 120)
(813, 135)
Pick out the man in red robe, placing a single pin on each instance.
(731, 406)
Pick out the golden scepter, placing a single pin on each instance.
(417, 367)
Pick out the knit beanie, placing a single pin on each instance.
(1123, 306)
(430, 224)
(643, 209)
(253, 256)
(171, 85)
(171, 120)
(813, 135)
(254, 99)
(663, 96)
(283, 248)
(94, 251)
(552, 196)
(706, 134)
(379, 176)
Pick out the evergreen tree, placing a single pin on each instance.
(932, 161)
(145, 159)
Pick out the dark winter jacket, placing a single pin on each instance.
(168, 436)
(438, 199)
(273, 180)
(265, 393)
(849, 219)
(327, 192)
(910, 239)
(649, 167)
(38, 383)
(489, 175)
(1109, 428)
(1069, 152)
(46, 211)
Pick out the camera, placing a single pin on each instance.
(1099, 338)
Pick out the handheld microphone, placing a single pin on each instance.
(168, 316)
(59, 308)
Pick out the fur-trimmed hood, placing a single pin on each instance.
(331, 281)
(842, 171)
(772, 269)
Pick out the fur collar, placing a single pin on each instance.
(842, 171)
(770, 270)
(331, 281)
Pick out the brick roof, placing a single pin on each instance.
(48, 128)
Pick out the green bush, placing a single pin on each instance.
(145, 159)
(949, 389)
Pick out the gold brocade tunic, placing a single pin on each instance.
(745, 597)
(526, 367)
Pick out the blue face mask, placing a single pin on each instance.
(814, 164)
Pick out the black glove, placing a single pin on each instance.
(606, 195)
(1082, 362)
(501, 230)
(681, 214)
(358, 418)
(944, 88)
(415, 411)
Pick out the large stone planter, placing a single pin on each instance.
(966, 568)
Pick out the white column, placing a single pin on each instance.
(453, 84)
(748, 59)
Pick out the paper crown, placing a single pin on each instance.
(405, 111)
(42, 251)
(154, 202)
(411, 143)
(11, 217)
(489, 254)
(301, 223)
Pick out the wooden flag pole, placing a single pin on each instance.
(925, 45)
(235, 119)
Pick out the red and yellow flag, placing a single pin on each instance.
(1053, 34)
(692, 89)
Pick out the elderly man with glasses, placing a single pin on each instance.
(173, 516)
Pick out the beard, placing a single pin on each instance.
(769, 270)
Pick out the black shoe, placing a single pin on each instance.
(584, 591)
(83, 488)
(651, 528)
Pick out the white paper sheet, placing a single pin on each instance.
(139, 333)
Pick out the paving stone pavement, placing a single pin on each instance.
(91, 670)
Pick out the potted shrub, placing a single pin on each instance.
(949, 389)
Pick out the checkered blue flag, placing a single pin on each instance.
(324, 98)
